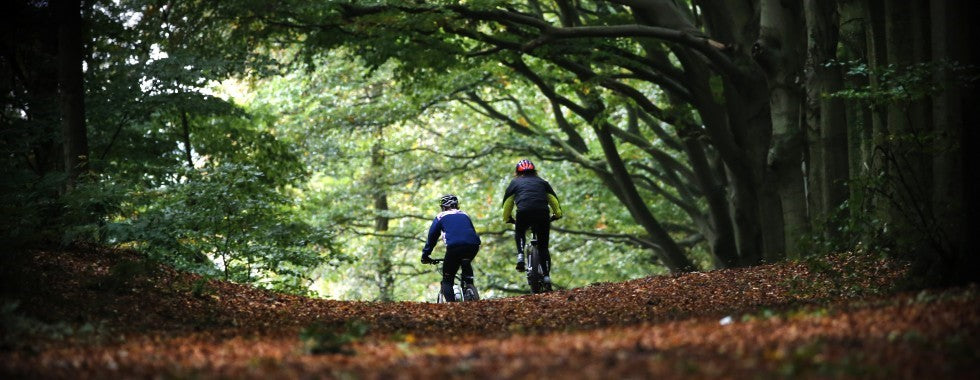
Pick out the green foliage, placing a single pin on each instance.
(237, 147)
(889, 210)
(28, 203)
(903, 83)
(230, 216)
(847, 229)
(342, 112)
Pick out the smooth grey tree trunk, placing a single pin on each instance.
(780, 52)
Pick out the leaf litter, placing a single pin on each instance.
(835, 317)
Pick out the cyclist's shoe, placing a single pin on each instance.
(546, 279)
(546, 283)
(520, 262)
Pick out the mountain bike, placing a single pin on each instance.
(535, 266)
(463, 291)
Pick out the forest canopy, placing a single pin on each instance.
(303, 146)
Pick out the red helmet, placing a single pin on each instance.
(524, 166)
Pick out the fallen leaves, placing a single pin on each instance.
(789, 319)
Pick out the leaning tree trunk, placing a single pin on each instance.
(71, 90)
(779, 52)
(740, 129)
(670, 253)
(722, 237)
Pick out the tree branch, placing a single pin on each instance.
(710, 49)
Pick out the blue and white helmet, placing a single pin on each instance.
(449, 201)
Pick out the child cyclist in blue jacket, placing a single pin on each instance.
(462, 244)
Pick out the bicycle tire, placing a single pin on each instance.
(470, 293)
(535, 273)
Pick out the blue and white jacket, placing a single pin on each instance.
(455, 227)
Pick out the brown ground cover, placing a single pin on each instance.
(96, 313)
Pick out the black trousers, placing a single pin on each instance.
(459, 256)
(539, 221)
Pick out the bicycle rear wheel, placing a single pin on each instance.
(535, 273)
(470, 293)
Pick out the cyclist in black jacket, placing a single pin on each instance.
(537, 205)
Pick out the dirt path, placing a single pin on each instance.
(786, 320)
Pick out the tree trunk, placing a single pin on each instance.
(908, 211)
(185, 132)
(71, 90)
(739, 132)
(779, 51)
(921, 107)
(827, 115)
(949, 36)
(877, 61)
(722, 236)
(968, 264)
(739, 128)
(385, 270)
(671, 254)
(853, 38)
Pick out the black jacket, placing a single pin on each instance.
(530, 193)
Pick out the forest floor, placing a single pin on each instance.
(97, 313)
